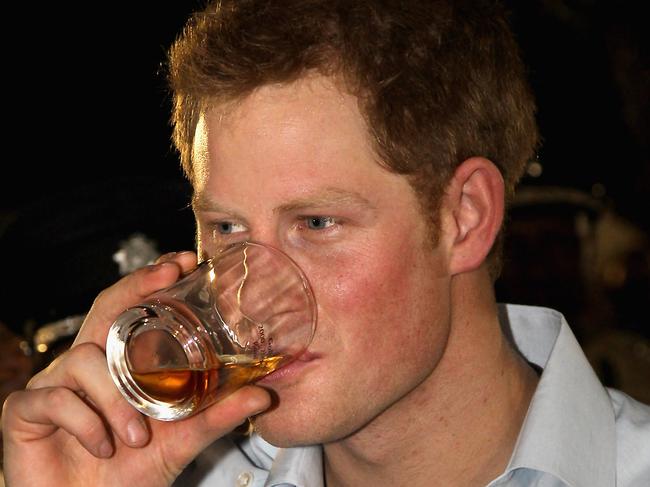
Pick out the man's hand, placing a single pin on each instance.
(71, 426)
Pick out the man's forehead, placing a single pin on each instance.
(316, 92)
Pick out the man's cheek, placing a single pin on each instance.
(363, 290)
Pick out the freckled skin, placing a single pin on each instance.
(382, 290)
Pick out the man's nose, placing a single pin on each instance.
(277, 237)
(267, 234)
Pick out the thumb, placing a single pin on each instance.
(196, 433)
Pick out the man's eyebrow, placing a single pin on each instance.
(324, 198)
(203, 202)
(327, 197)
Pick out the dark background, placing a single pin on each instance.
(88, 162)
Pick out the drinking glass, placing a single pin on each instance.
(236, 318)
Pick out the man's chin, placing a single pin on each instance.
(287, 433)
(279, 436)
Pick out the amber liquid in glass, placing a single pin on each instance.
(204, 386)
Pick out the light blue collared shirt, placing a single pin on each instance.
(576, 432)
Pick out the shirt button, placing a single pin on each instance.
(244, 479)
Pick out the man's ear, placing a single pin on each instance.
(475, 199)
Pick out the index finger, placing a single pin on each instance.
(129, 291)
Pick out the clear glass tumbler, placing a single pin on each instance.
(236, 318)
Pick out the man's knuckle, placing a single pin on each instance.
(59, 397)
(83, 353)
(8, 409)
(9, 404)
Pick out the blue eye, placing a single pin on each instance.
(226, 228)
(319, 222)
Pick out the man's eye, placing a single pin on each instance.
(319, 222)
(226, 228)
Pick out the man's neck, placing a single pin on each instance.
(459, 426)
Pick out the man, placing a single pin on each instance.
(375, 142)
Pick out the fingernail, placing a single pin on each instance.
(136, 432)
(105, 449)
(185, 252)
(164, 257)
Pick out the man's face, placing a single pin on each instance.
(292, 166)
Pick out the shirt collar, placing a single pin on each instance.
(300, 466)
(569, 428)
